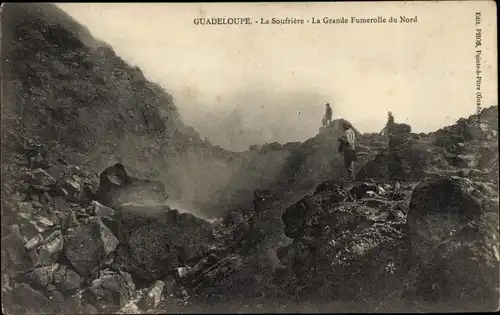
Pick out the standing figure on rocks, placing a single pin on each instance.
(327, 119)
(395, 142)
(347, 146)
(389, 127)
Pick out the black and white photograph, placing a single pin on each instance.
(253, 157)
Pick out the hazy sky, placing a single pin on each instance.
(423, 72)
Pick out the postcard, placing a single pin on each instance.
(255, 157)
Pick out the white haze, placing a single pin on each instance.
(280, 77)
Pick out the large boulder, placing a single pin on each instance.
(297, 214)
(453, 233)
(51, 249)
(401, 128)
(40, 277)
(158, 240)
(30, 301)
(267, 147)
(439, 208)
(342, 245)
(66, 280)
(77, 184)
(109, 292)
(15, 258)
(152, 297)
(39, 178)
(117, 187)
(478, 130)
(405, 160)
(88, 246)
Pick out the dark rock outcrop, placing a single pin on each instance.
(157, 242)
(109, 292)
(88, 246)
(152, 297)
(453, 233)
(341, 243)
(116, 187)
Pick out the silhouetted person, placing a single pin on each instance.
(394, 144)
(389, 127)
(347, 147)
(327, 119)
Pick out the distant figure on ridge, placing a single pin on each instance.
(347, 147)
(389, 127)
(327, 119)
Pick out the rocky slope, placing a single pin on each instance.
(69, 96)
(92, 153)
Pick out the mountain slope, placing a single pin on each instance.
(66, 88)
(70, 96)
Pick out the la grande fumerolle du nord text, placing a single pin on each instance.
(401, 19)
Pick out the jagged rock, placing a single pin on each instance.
(61, 205)
(296, 215)
(89, 309)
(33, 242)
(56, 171)
(40, 177)
(440, 208)
(152, 297)
(14, 257)
(340, 244)
(30, 300)
(289, 146)
(42, 223)
(88, 246)
(329, 186)
(46, 198)
(117, 187)
(66, 280)
(77, 184)
(51, 249)
(233, 218)
(465, 161)
(405, 160)
(129, 308)
(70, 305)
(154, 250)
(25, 208)
(169, 284)
(479, 131)
(267, 147)
(247, 241)
(254, 147)
(465, 267)
(113, 177)
(71, 189)
(158, 243)
(128, 282)
(41, 277)
(399, 128)
(454, 240)
(293, 219)
(55, 297)
(101, 210)
(108, 293)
